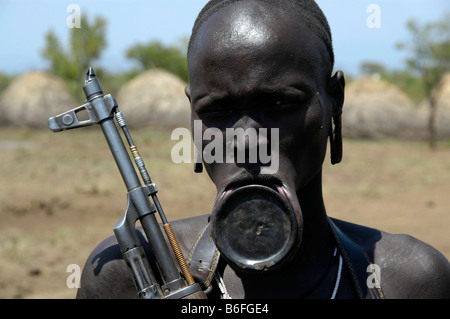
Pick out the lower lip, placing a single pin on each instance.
(275, 187)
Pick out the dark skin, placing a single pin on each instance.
(276, 76)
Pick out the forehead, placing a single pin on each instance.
(253, 39)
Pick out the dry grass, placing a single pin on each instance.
(61, 194)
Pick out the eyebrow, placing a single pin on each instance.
(297, 87)
(301, 91)
(288, 91)
(204, 100)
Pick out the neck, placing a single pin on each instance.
(310, 265)
(316, 234)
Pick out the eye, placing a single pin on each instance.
(292, 101)
(282, 104)
(214, 107)
(216, 115)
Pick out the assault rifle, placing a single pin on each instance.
(177, 281)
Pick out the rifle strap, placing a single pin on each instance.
(203, 258)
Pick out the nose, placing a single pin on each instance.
(245, 131)
(243, 140)
(246, 120)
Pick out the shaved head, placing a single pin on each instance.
(306, 11)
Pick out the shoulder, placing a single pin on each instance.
(105, 273)
(415, 269)
(409, 268)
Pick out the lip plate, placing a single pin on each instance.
(239, 216)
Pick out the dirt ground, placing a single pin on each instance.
(61, 193)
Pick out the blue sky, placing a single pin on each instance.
(23, 24)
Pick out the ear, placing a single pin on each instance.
(335, 90)
(187, 91)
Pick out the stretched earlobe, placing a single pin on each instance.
(336, 87)
(335, 134)
(198, 165)
(335, 90)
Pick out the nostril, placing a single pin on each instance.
(246, 120)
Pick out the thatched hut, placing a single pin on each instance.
(31, 98)
(442, 96)
(376, 109)
(154, 98)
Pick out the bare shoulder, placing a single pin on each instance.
(105, 273)
(409, 268)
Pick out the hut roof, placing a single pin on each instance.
(375, 109)
(154, 98)
(31, 98)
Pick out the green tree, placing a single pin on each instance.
(157, 55)
(4, 81)
(429, 49)
(86, 45)
(408, 82)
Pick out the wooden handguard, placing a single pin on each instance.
(178, 254)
